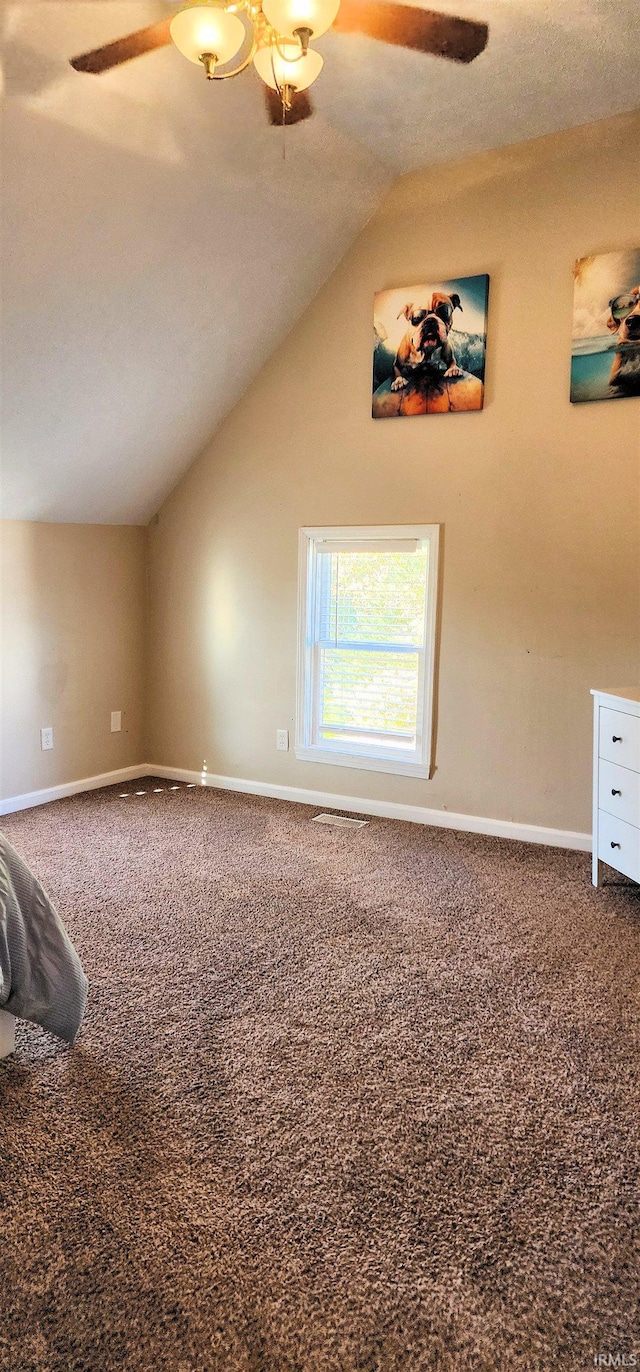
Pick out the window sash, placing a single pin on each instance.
(316, 689)
(355, 646)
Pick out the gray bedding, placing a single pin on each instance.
(41, 977)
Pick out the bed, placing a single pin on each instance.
(41, 976)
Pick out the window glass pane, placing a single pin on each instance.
(375, 692)
(372, 597)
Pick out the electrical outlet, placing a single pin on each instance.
(282, 740)
(46, 738)
(116, 721)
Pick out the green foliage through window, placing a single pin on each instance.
(371, 614)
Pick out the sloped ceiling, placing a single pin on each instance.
(158, 247)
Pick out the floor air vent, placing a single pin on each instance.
(340, 821)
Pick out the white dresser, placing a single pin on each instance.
(616, 782)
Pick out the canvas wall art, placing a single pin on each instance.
(429, 346)
(605, 353)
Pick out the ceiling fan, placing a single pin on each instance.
(279, 33)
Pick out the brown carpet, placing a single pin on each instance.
(343, 1102)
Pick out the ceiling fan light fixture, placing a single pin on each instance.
(288, 17)
(207, 30)
(296, 74)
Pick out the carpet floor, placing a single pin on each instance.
(342, 1102)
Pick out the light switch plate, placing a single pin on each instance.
(46, 738)
(116, 721)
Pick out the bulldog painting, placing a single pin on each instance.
(429, 345)
(605, 354)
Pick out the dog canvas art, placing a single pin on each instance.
(605, 354)
(429, 345)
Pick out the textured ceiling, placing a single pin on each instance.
(158, 247)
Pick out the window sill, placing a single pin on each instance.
(368, 764)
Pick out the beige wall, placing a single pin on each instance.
(538, 501)
(73, 599)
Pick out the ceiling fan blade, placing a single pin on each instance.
(301, 107)
(425, 30)
(134, 45)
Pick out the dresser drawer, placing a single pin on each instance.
(619, 845)
(620, 738)
(619, 792)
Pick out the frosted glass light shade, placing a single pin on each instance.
(204, 28)
(299, 75)
(285, 16)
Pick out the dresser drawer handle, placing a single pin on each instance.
(616, 793)
(617, 738)
(615, 845)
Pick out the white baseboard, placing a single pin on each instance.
(70, 788)
(414, 814)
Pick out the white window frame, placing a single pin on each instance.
(309, 545)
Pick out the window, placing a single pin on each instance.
(367, 611)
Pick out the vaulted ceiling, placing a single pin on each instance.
(158, 246)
